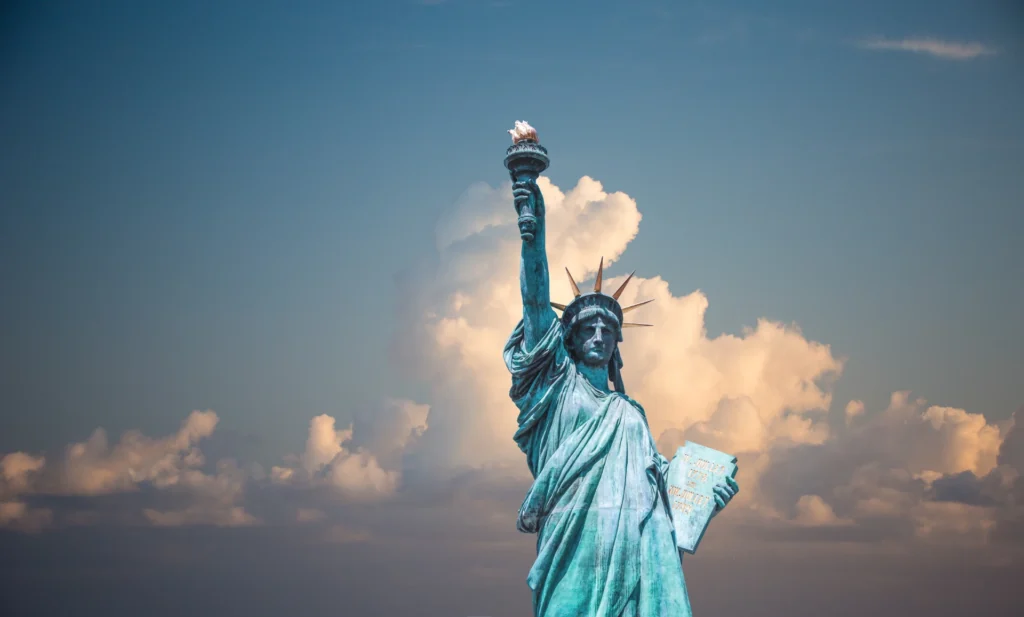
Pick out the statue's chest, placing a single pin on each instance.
(584, 405)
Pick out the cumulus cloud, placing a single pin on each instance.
(367, 468)
(461, 309)
(934, 467)
(764, 394)
(934, 47)
(16, 471)
(170, 465)
(172, 484)
(741, 392)
(212, 499)
(813, 511)
(853, 409)
(94, 468)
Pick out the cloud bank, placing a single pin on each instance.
(913, 472)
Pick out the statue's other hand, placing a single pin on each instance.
(725, 492)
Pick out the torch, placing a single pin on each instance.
(525, 159)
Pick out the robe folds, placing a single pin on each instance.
(605, 542)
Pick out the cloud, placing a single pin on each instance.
(17, 469)
(365, 468)
(764, 394)
(812, 510)
(164, 482)
(409, 491)
(853, 409)
(930, 470)
(212, 499)
(19, 516)
(940, 49)
(912, 471)
(769, 381)
(93, 468)
(138, 464)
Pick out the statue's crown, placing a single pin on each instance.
(586, 305)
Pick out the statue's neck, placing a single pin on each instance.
(596, 375)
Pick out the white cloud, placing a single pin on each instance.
(900, 465)
(92, 468)
(16, 471)
(324, 443)
(171, 489)
(359, 474)
(933, 47)
(462, 311)
(357, 471)
(763, 394)
(19, 516)
(811, 510)
(925, 438)
(281, 475)
(945, 521)
(853, 409)
(211, 499)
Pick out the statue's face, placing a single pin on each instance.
(594, 341)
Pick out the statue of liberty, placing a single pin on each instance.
(606, 546)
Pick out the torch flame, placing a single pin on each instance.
(523, 131)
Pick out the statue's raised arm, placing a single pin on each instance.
(534, 281)
(525, 160)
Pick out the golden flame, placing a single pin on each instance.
(523, 131)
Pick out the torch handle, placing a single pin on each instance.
(528, 219)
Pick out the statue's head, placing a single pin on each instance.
(592, 324)
(593, 340)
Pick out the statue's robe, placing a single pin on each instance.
(606, 546)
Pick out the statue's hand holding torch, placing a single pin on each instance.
(529, 206)
(525, 160)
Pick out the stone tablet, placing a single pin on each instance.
(692, 476)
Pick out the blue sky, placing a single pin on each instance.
(206, 206)
(236, 206)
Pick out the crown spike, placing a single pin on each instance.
(630, 308)
(600, 275)
(618, 292)
(558, 306)
(637, 325)
(575, 287)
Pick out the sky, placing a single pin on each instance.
(259, 260)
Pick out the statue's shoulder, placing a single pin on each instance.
(634, 403)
